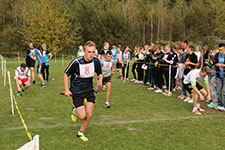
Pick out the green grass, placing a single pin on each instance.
(138, 119)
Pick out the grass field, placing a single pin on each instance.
(137, 120)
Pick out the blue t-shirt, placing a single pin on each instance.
(114, 53)
(79, 54)
(46, 55)
(39, 57)
(221, 61)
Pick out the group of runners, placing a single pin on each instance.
(156, 65)
(25, 71)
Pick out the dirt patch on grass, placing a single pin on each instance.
(32, 109)
(131, 129)
(47, 118)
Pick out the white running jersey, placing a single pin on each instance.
(87, 70)
(193, 76)
(19, 73)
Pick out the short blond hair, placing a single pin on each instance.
(89, 44)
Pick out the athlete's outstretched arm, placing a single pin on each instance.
(66, 85)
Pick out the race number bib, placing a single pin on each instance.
(87, 70)
(107, 65)
(125, 56)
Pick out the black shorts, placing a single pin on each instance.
(118, 65)
(78, 99)
(106, 79)
(40, 68)
(188, 87)
(30, 62)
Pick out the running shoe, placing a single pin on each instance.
(200, 108)
(158, 91)
(132, 80)
(221, 108)
(169, 94)
(22, 92)
(164, 87)
(197, 112)
(190, 101)
(218, 107)
(107, 105)
(82, 137)
(212, 105)
(73, 117)
(43, 85)
(18, 93)
(187, 99)
(150, 88)
(165, 93)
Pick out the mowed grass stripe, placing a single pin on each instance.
(118, 122)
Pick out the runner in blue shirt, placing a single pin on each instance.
(114, 53)
(47, 56)
(41, 63)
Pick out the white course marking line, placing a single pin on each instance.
(117, 122)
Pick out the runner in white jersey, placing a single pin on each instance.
(22, 77)
(193, 87)
(107, 71)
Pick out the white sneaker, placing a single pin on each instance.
(150, 88)
(154, 86)
(174, 90)
(221, 108)
(132, 80)
(107, 105)
(136, 81)
(200, 108)
(158, 91)
(140, 82)
(190, 101)
(164, 87)
(187, 99)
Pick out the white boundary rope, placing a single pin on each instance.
(4, 72)
(11, 94)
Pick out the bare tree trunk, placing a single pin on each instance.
(151, 30)
(158, 30)
(162, 29)
(171, 31)
(143, 33)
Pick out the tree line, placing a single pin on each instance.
(65, 24)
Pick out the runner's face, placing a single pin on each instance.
(203, 74)
(22, 69)
(108, 57)
(89, 53)
(221, 50)
(31, 45)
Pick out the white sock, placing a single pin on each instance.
(79, 132)
(194, 109)
(198, 105)
(107, 103)
(74, 110)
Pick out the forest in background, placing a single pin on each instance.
(65, 24)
